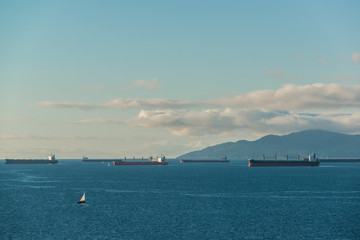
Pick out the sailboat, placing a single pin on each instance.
(82, 200)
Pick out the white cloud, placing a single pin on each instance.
(293, 97)
(64, 105)
(215, 121)
(183, 122)
(148, 103)
(123, 104)
(265, 111)
(145, 83)
(355, 57)
(289, 97)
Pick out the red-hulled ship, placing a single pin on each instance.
(312, 161)
(151, 161)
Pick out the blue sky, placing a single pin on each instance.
(116, 78)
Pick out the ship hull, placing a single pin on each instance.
(119, 163)
(30, 161)
(285, 163)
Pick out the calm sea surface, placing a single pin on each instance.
(179, 201)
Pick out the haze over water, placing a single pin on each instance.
(179, 201)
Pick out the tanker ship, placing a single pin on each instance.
(151, 161)
(222, 160)
(51, 160)
(312, 161)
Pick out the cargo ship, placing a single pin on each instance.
(312, 161)
(222, 160)
(51, 160)
(151, 161)
(86, 159)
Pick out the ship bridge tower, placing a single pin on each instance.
(312, 157)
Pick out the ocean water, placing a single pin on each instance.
(179, 201)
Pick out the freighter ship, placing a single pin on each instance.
(51, 160)
(222, 160)
(312, 161)
(151, 161)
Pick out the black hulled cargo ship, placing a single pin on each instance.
(312, 161)
(152, 161)
(51, 160)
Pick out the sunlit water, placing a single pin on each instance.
(179, 201)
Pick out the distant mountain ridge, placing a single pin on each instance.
(324, 143)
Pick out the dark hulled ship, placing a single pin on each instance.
(151, 161)
(312, 161)
(51, 160)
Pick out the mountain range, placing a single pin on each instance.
(325, 144)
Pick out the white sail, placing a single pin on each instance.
(83, 198)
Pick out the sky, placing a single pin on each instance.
(140, 78)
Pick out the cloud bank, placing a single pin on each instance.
(293, 97)
(259, 112)
(289, 97)
(122, 104)
(230, 121)
(186, 123)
